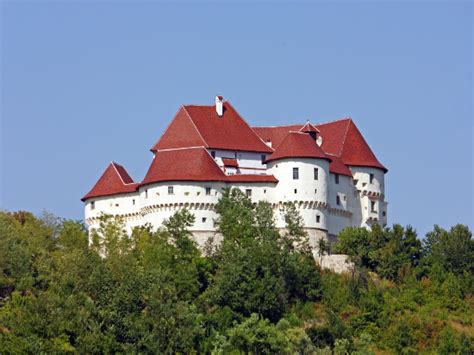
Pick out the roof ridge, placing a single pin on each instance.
(286, 125)
(344, 139)
(195, 127)
(336, 120)
(120, 175)
(182, 148)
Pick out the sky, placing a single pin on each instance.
(85, 83)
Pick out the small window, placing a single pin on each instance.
(296, 191)
(204, 219)
(344, 198)
(316, 173)
(248, 192)
(356, 181)
(296, 174)
(93, 205)
(170, 190)
(146, 193)
(116, 205)
(336, 178)
(133, 201)
(264, 191)
(371, 178)
(384, 213)
(315, 191)
(208, 191)
(318, 218)
(213, 154)
(263, 157)
(372, 206)
(338, 200)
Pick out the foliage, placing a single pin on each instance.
(259, 291)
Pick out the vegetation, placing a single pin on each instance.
(259, 291)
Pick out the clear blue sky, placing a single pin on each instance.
(86, 83)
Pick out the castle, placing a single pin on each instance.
(328, 170)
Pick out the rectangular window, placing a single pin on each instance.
(296, 174)
(146, 193)
(208, 191)
(213, 154)
(338, 200)
(296, 191)
(93, 205)
(371, 178)
(318, 218)
(263, 157)
(248, 192)
(170, 190)
(316, 173)
(204, 219)
(384, 213)
(133, 201)
(336, 178)
(372, 206)
(315, 191)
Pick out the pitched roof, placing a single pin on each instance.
(192, 164)
(343, 138)
(340, 138)
(230, 162)
(308, 127)
(338, 167)
(298, 145)
(115, 180)
(201, 126)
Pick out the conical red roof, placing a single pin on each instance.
(298, 145)
(114, 180)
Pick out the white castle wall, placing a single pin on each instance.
(304, 189)
(340, 216)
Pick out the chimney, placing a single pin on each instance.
(219, 105)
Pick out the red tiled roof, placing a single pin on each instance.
(338, 167)
(308, 127)
(298, 145)
(251, 178)
(206, 128)
(275, 134)
(340, 138)
(115, 180)
(199, 166)
(230, 162)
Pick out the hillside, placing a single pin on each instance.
(260, 291)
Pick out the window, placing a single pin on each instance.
(384, 213)
(208, 191)
(263, 157)
(93, 205)
(213, 154)
(371, 178)
(336, 178)
(338, 200)
(248, 192)
(204, 219)
(296, 174)
(316, 173)
(264, 191)
(133, 201)
(170, 190)
(345, 198)
(318, 218)
(315, 191)
(296, 191)
(146, 193)
(116, 205)
(372, 206)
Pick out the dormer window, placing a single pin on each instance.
(213, 154)
(263, 157)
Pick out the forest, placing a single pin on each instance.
(259, 291)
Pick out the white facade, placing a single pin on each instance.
(327, 203)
